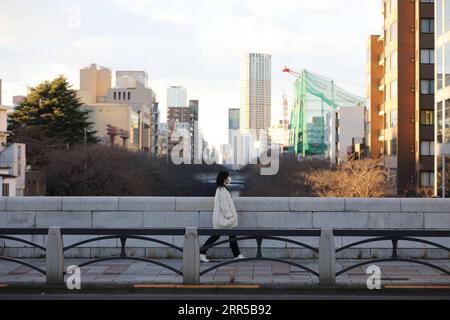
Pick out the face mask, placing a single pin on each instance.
(229, 180)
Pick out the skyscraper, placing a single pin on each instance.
(401, 93)
(256, 91)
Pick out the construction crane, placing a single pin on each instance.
(292, 72)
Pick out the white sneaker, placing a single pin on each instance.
(241, 256)
(203, 258)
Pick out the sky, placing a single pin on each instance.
(193, 43)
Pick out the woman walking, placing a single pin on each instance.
(224, 216)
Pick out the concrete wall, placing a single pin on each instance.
(273, 213)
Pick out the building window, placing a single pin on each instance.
(427, 86)
(5, 192)
(427, 148)
(447, 65)
(393, 5)
(393, 119)
(393, 147)
(427, 25)
(115, 95)
(120, 95)
(129, 95)
(447, 14)
(393, 30)
(439, 23)
(439, 67)
(394, 60)
(426, 178)
(427, 118)
(427, 56)
(393, 91)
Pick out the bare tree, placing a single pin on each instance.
(358, 179)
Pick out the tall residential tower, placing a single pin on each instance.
(256, 91)
(401, 93)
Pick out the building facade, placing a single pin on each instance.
(442, 105)
(128, 79)
(130, 107)
(401, 94)
(94, 84)
(180, 118)
(346, 127)
(256, 91)
(142, 100)
(12, 161)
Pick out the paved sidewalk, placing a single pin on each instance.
(130, 273)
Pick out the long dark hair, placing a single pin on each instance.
(220, 181)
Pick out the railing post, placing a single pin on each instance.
(191, 257)
(327, 258)
(55, 256)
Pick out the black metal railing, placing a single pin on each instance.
(12, 234)
(394, 236)
(124, 235)
(258, 235)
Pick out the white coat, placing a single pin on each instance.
(224, 215)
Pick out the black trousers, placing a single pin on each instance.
(233, 245)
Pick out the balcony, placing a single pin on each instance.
(381, 85)
(381, 60)
(381, 109)
(381, 135)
